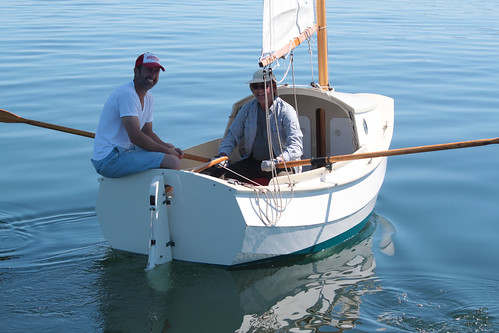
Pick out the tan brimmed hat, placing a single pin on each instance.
(262, 75)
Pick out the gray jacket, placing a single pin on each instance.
(242, 131)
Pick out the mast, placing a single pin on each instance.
(322, 43)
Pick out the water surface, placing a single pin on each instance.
(427, 260)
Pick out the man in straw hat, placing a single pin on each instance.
(260, 150)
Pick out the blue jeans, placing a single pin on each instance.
(121, 162)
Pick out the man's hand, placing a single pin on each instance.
(268, 164)
(222, 164)
(179, 153)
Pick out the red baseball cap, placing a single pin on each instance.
(148, 60)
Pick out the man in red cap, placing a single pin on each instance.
(124, 141)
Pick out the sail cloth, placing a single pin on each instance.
(284, 21)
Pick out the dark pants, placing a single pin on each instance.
(249, 168)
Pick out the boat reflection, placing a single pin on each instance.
(324, 290)
(316, 292)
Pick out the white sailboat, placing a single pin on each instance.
(186, 215)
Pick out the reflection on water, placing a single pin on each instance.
(326, 290)
(83, 286)
(386, 245)
(312, 292)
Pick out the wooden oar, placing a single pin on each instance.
(322, 161)
(209, 164)
(9, 117)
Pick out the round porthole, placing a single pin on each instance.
(365, 126)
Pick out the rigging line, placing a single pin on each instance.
(311, 60)
(240, 175)
(297, 113)
(294, 84)
(269, 130)
(267, 120)
(285, 74)
(270, 199)
(265, 217)
(274, 198)
(274, 170)
(291, 54)
(277, 188)
(276, 194)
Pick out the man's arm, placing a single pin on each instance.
(235, 132)
(147, 130)
(146, 138)
(293, 149)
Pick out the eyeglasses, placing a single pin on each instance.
(256, 86)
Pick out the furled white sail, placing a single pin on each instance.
(284, 20)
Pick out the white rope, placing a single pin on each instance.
(275, 194)
(290, 53)
(269, 199)
(272, 201)
(274, 197)
(311, 60)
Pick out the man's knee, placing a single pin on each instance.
(170, 162)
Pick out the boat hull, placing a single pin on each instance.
(216, 221)
(211, 221)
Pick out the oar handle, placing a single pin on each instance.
(196, 158)
(209, 164)
(320, 161)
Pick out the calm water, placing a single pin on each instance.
(428, 258)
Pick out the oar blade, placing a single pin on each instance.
(9, 117)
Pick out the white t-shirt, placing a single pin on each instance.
(111, 132)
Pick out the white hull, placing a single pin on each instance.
(213, 221)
